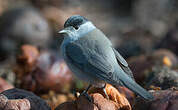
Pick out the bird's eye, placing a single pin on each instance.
(76, 27)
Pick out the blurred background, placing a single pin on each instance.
(145, 32)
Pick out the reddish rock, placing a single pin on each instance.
(4, 85)
(142, 66)
(26, 61)
(42, 71)
(117, 101)
(163, 100)
(29, 55)
(67, 106)
(127, 93)
(52, 74)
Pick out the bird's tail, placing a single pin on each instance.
(133, 86)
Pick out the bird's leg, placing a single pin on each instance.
(104, 90)
(84, 93)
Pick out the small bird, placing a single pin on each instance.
(92, 58)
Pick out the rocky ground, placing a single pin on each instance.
(144, 32)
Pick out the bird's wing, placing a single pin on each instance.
(123, 64)
(90, 60)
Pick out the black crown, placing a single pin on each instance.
(75, 21)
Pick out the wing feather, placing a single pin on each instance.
(123, 64)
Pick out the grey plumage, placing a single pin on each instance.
(92, 58)
(123, 64)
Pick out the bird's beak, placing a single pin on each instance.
(65, 30)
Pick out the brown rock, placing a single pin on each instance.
(57, 16)
(26, 61)
(164, 100)
(42, 71)
(163, 77)
(29, 55)
(142, 66)
(3, 6)
(44, 3)
(170, 40)
(135, 42)
(82, 103)
(99, 102)
(127, 93)
(52, 74)
(4, 85)
(117, 97)
(54, 99)
(67, 106)
(165, 57)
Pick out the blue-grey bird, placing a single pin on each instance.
(91, 57)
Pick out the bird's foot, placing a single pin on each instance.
(104, 90)
(84, 93)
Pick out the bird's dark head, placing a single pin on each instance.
(77, 26)
(75, 21)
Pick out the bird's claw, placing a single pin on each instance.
(87, 96)
(104, 90)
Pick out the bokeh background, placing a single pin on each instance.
(145, 32)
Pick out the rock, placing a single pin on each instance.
(4, 85)
(28, 56)
(42, 3)
(7, 73)
(163, 100)
(163, 77)
(54, 99)
(42, 71)
(26, 61)
(142, 66)
(22, 25)
(18, 104)
(153, 15)
(135, 42)
(18, 99)
(52, 73)
(127, 93)
(56, 18)
(170, 40)
(67, 106)
(3, 6)
(99, 102)
(165, 57)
